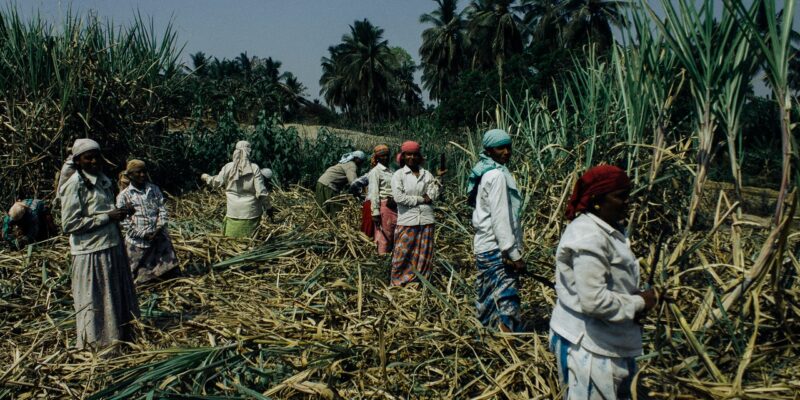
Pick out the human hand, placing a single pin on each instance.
(650, 299)
(205, 177)
(18, 232)
(118, 214)
(426, 199)
(518, 266)
(441, 172)
(271, 214)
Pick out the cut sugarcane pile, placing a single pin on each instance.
(305, 311)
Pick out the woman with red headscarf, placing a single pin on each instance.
(593, 331)
(414, 189)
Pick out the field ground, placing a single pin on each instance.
(303, 311)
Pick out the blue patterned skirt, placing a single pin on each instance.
(498, 292)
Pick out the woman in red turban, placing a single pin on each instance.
(593, 332)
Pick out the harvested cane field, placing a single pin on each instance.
(305, 311)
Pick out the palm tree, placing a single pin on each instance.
(405, 93)
(246, 65)
(590, 21)
(199, 63)
(494, 34)
(442, 50)
(542, 21)
(333, 83)
(367, 62)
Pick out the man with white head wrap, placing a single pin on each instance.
(245, 191)
(337, 179)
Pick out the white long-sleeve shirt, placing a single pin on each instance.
(84, 214)
(494, 223)
(380, 187)
(247, 196)
(597, 275)
(407, 191)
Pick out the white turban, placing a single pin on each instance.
(352, 155)
(241, 160)
(83, 145)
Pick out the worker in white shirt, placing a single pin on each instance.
(594, 335)
(498, 234)
(383, 209)
(414, 189)
(245, 191)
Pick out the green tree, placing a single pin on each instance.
(367, 65)
(494, 34)
(443, 47)
(590, 21)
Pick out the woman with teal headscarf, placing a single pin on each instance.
(498, 234)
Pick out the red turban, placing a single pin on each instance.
(595, 182)
(410, 146)
(379, 150)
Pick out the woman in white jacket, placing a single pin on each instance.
(593, 331)
(414, 189)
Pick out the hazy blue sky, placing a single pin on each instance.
(296, 32)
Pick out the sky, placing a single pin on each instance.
(295, 32)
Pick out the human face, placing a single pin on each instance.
(383, 160)
(614, 206)
(89, 162)
(138, 176)
(413, 160)
(501, 154)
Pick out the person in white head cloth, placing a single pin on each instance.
(338, 178)
(102, 286)
(245, 191)
(267, 174)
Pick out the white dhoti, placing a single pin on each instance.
(591, 376)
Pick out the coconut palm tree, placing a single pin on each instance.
(443, 47)
(199, 63)
(405, 96)
(494, 34)
(368, 62)
(590, 21)
(333, 83)
(542, 22)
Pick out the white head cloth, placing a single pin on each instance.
(241, 160)
(83, 145)
(352, 155)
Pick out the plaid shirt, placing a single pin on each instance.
(150, 216)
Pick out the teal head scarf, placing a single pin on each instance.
(495, 138)
(491, 139)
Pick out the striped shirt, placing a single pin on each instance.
(150, 216)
